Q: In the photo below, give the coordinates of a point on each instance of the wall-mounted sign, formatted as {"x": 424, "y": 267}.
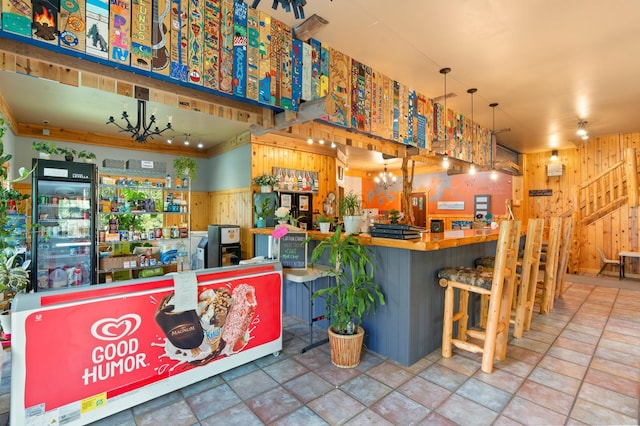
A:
{"x": 554, "y": 169}
{"x": 450, "y": 205}
{"x": 293, "y": 250}
{"x": 540, "y": 192}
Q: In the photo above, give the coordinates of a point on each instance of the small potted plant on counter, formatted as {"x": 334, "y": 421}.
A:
{"x": 352, "y": 294}
{"x": 265, "y": 182}
{"x": 46, "y": 149}
{"x": 325, "y": 222}
{"x": 263, "y": 211}
{"x": 350, "y": 207}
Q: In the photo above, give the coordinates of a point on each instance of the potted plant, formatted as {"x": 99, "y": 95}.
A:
{"x": 46, "y": 149}
{"x": 87, "y": 156}
{"x": 68, "y": 153}
{"x": 14, "y": 278}
{"x": 325, "y": 222}
{"x": 264, "y": 210}
{"x": 352, "y": 294}
{"x": 394, "y": 215}
{"x": 350, "y": 208}
{"x": 265, "y": 182}
{"x": 186, "y": 166}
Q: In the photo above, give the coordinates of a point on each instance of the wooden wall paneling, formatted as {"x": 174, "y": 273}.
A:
{"x": 234, "y": 207}
{"x": 199, "y": 211}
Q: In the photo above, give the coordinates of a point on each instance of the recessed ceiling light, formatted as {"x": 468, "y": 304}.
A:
{"x": 169, "y": 140}
{"x": 200, "y": 145}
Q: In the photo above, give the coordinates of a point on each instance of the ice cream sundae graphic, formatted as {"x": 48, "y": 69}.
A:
{"x": 219, "y": 326}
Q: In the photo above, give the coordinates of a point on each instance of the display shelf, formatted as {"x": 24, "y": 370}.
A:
{"x": 145, "y": 208}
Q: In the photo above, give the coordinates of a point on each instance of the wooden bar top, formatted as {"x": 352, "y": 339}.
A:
{"x": 427, "y": 241}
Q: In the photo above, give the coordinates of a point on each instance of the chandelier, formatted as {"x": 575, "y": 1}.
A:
{"x": 141, "y": 131}
{"x": 385, "y": 178}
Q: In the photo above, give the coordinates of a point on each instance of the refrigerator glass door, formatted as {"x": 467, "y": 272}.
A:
{"x": 63, "y": 234}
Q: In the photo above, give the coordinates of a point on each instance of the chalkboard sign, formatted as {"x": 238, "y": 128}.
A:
{"x": 293, "y": 251}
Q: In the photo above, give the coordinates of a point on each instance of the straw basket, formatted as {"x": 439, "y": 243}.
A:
{"x": 346, "y": 349}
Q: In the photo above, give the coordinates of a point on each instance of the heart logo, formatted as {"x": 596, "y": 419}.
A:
{"x": 116, "y": 328}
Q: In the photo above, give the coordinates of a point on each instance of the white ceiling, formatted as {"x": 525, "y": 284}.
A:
{"x": 547, "y": 63}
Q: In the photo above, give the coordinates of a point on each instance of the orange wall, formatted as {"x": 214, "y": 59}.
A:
{"x": 441, "y": 187}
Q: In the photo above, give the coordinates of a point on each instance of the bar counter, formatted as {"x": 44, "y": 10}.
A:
{"x": 409, "y": 325}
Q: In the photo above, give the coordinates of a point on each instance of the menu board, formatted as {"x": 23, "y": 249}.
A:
{"x": 293, "y": 250}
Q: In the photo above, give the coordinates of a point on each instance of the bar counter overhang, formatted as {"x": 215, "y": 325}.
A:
{"x": 409, "y": 325}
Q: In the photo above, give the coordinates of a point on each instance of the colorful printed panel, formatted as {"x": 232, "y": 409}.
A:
{"x": 240, "y": 49}
{"x": 324, "y": 71}
{"x": 196, "y": 41}
{"x": 45, "y": 21}
{"x": 226, "y": 46}
{"x": 396, "y": 110}
{"x": 316, "y": 49}
{"x": 421, "y": 120}
{"x": 211, "y": 55}
{"x": 277, "y": 45}
{"x": 179, "y": 39}
{"x": 286, "y": 61}
{"x": 360, "y": 97}
{"x": 340, "y": 81}
{"x": 306, "y": 71}
{"x": 161, "y": 37}
{"x": 387, "y": 108}
{"x": 141, "y": 14}
{"x": 411, "y": 118}
{"x": 253, "y": 53}
{"x": 264, "y": 89}
{"x": 120, "y": 31}
{"x": 97, "y": 28}
{"x": 71, "y": 23}
{"x": 296, "y": 75}
{"x": 17, "y": 17}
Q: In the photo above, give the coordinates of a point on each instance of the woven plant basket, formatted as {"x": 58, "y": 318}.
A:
{"x": 346, "y": 349}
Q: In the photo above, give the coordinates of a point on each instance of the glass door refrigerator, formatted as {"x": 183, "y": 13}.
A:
{"x": 63, "y": 242}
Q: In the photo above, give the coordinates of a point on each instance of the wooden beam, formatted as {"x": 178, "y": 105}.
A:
{"x": 308, "y": 111}
{"x": 97, "y": 139}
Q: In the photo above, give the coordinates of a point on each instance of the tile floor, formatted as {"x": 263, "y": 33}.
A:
{"x": 578, "y": 365}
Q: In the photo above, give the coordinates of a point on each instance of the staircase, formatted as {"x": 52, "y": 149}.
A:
{"x": 603, "y": 194}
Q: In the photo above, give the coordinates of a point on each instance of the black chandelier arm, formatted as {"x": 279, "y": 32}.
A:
{"x": 141, "y": 131}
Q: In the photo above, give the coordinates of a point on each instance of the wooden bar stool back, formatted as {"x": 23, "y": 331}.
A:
{"x": 498, "y": 285}
{"x": 545, "y": 287}
{"x": 528, "y": 276}
{"x": 563, "y": 259}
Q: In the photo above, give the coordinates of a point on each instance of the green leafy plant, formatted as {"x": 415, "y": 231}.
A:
{"x": 325, "y": 219}
{"x": 350, "y": 204}
{"x": 266, "y": 208}
{"x": 265, "y": 180}
{"x": 45, "y": 147}
{"x": 394, "y": 215}
{"x": 353, "y": 293}
{"x": 87, "y": 155}
{"x": 68, "y": 153}
{"x": 14, "y": 278}
{"x": 188, "y": 164}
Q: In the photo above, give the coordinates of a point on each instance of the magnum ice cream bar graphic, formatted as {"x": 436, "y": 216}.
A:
{"x": 183, "y": 329}
{"x": 218, "y": 326}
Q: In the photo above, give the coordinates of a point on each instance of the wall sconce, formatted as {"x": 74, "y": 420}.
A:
{"x": 554, "y": 155}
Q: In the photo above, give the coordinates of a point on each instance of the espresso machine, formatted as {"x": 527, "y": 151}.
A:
{"x": 223, "y": 246}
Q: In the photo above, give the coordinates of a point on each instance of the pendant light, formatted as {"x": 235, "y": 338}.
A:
{"x": 494, "y": 173}
{"x": 445, "y": 158}
{"x": 472, "y": 168}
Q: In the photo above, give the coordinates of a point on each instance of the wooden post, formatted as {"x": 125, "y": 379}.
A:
{"x": 632, "y": 177}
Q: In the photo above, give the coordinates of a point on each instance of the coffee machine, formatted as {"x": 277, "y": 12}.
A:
{"x": 223, "y": 246}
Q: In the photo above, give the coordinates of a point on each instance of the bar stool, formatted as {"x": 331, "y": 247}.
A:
{"x": 528, "y": 276}
{"x": 563, "y": 259}
{"x": 498, "y": 285}
{"x": 544, "y": 290}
